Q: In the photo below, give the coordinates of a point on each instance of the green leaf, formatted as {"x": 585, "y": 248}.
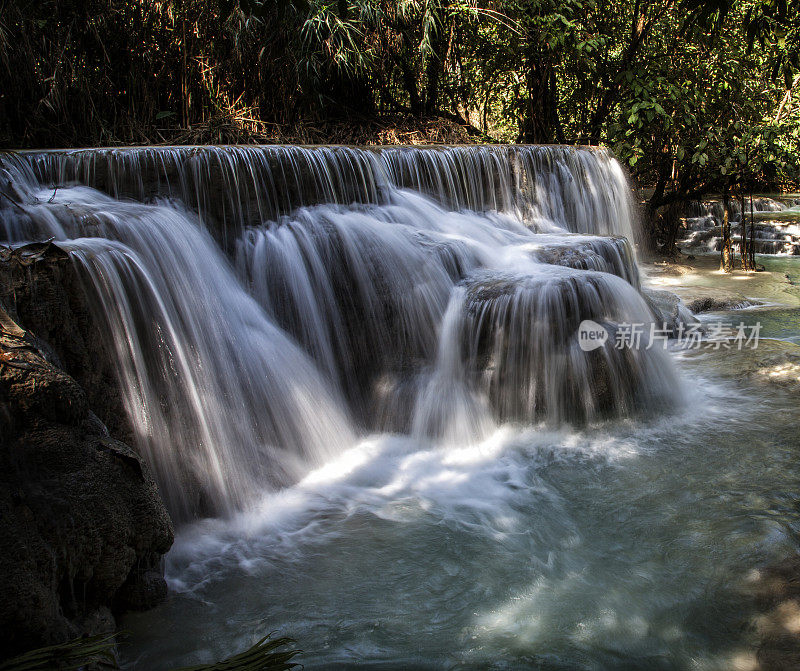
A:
{"x": 72, "y": 656}
{"x": 263, "y": 656}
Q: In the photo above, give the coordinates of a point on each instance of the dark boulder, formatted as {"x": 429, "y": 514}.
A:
{"x": 82, "y": 525}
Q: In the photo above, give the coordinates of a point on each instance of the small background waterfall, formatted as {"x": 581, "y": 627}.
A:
{"x": 773, "y": 224}
{"x": 268, "y": 304}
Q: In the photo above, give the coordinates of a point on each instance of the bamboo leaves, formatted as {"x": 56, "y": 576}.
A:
{"x": 72, "y": 656}
{"x": 263, "y": 656}
{"x": 97, "y": 652}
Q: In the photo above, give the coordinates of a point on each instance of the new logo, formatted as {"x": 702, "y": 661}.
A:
{"x": 591, "y": 335}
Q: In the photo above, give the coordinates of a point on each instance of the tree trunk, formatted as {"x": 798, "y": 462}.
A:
{"x": 726, "y": 253}
{"x": 744, "y": 251}
{"x": 540, "y": 123}
{"x": 185, "y": 92}
{"x": 434, "y": 68}
{"x": 752, "y": 236}
{"x": 410, "y": 85}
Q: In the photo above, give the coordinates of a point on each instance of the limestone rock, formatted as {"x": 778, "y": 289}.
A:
{"x": 47, "y": 297}
{"x": 711, "y": 304}
{"x": 82, "y": 525}
{"x": 774, "y": 363}
{"x": 668, "y": 309}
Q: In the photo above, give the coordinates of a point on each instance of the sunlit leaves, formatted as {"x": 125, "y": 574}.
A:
{"x": 699, "y": 112}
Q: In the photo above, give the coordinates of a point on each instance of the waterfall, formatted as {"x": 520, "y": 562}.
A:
{"x": 583, "y": 191}
{"x": 266, "y": 305}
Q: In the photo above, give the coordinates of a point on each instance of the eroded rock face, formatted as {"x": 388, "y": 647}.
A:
{"x": 669, "y": 310}
{"x": 47, "y": 297}
{"x": 82, "y": 525}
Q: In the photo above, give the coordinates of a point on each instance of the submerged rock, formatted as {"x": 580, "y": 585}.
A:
{"x": 82, "y": 525}
{"x": 776, "y": 589}
{"x": 711, "y": 304}
{"x": 774, "y": 363}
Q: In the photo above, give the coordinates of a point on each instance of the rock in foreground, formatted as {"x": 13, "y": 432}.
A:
{"x": 82, "y": 524}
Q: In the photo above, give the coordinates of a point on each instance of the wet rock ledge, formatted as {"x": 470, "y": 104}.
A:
{"x": 82, "y": 525}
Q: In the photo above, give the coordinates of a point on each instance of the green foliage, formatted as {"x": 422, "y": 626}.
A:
{"x": 98, "y": 652}
{"x": 775, "y": 24}
{"x": 693, "y": 95}
{"x": 263, "y": 656}
{"x": 700, "y": 113}
{"x": 72, "y": 656}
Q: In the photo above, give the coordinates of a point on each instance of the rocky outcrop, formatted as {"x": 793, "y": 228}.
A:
{"x": 41, "y": 289}
{"x": 668, "y": 309}
{"x": 608, "y": 254}
{"x": 82, "y": 525}
{"x": 521, "y": 335}
{"x": 711, "y": 304}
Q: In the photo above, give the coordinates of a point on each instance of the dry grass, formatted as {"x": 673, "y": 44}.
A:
{"x": 238, "y": 126}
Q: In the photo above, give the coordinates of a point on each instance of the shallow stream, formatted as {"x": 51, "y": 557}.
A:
{"x": 625, "y": 545}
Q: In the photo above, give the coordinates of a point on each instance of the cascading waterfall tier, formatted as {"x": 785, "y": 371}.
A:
{"x": 266, "y": 304}
{"x": 775, "y": 230}
{"x": 583, "y": 191}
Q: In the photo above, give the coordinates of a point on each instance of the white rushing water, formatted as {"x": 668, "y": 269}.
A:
{"x": 203, "y": 372}
{"x": 583, "y": 191}
{"x": 221, "y": 398}
{"x": 624, "y": 546}
{"x": 361, "y": 365}
{"x": 772, "y": 225}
